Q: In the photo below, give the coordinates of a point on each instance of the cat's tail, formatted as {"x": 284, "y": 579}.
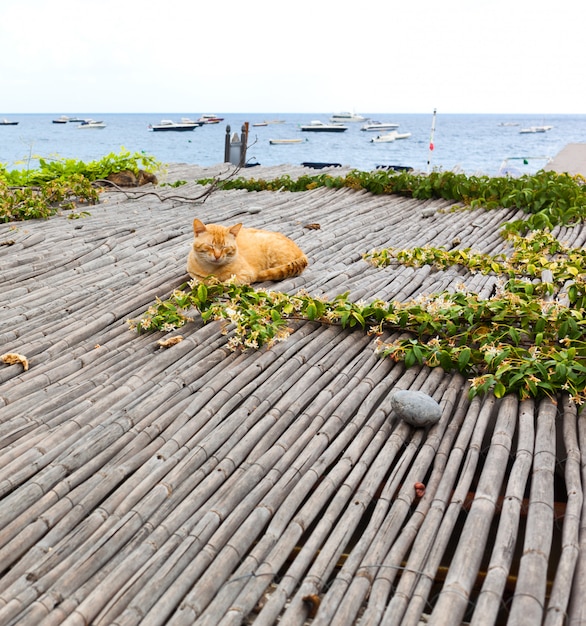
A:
{"x": 293, "y": 268}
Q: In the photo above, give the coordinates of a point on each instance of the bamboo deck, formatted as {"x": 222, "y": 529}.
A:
{"x": 195, "y": 485}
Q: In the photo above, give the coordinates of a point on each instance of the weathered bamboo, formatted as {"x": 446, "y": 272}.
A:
{"x": 529, "y": 598}
{"x": 448, "y": 503}
{"x": 559, "y": 598}
{"x": 317, "y": 441}
{"x": 338, "y": 492}
{"x": 577, "y": 608}
{"x": 464, "y": 566}
{"x": 489, "y": 600}
{"x": 147, "y": 485}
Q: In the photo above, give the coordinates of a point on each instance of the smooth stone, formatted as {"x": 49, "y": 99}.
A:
{"x": 415, "y": 407}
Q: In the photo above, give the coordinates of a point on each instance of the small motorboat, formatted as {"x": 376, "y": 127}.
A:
{"x": 267, "y": 122}
{"x": 61, "y": 120}
{"x": 6, "y": 122}
{"x": 376, "y": 126}
{"x": 91, "y": 124}
{"x": 170, "y": 125}
{"x": 346, "y": 117}
{"x": 188, "y": 120}
{"x": 210, "y": 119}
{"x": 319, "y": 127}
{"x": 284, "y": 142}
{"x": 535, "y": 129}
{"x": 390, "y": 137}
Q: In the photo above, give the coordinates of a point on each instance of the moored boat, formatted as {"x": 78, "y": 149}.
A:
{"x": 535, "y": 129}
{"x": 61, "y": 120}
{"x": 210, "y": 119}
{"x": 276, "y": 142}
{"x": 170, "y": 125}
{"x": 316, "y": 126}
{"x": 91, "y": 124}
{"x": 6, "y": 122}
{"x": 375, "y": 126}
{"x": 390, "y": 137}
{"x": 345, "y": 117}
{"x": 267, "y": 122}
{"x": 188, "y": 120}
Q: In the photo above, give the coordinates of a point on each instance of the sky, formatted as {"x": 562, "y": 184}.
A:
{"x": 300, "y": 56}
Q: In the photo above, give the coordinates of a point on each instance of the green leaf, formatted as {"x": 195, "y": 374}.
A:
{"x": 514, "y": 335}
{"x": 202, "y": 293}
{"x": 499, "y": 390}
{"x": 464, "y": 359}
{"x": 358, "y": 318}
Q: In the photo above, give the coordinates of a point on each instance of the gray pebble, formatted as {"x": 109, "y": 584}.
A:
{"x": 415, "y": 407}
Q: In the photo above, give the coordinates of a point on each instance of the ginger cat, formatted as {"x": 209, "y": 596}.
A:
{"x": 248, "y": 254}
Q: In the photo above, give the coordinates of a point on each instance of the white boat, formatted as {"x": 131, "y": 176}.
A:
{"x": 170, "y": 125}
{"x": 277, "y": 142}
{"x": 267, "y": 122}
{"x": 389, "y": 137}
{"x": 535, "y": 129}
{"x": 91, "y": 124}
{"x": 188, "y": 120}
{"x": 374, "y": 126}
{"x": 319, "y": 127}
{"x": 509, "y": 169}
{"x": 209, "y": 118}
{"x": 345, "y": 117}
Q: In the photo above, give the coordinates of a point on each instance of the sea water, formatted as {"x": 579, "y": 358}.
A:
{"x": 472, "y": 144}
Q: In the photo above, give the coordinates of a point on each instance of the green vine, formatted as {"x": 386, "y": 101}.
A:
{"x": 524, "y": 339}
{"x": 61, "y": 184}
{"x": 549, "y": 198}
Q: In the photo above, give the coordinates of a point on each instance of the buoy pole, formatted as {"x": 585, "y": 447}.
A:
{"x": 431, "y": 146}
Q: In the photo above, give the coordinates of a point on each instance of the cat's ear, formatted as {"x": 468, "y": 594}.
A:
{"x": 198, "y": 227}
{"x": 234, "y": 230}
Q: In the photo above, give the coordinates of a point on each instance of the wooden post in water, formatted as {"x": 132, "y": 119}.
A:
{"x": 243, "y": 144}
{"x": 227, "y": 145}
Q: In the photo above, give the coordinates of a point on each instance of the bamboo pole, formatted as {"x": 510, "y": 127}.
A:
{"x": 464, "y": 565}
{"x": 561, "y": 593}
{"x": 529, "y": 598}
{"x": 489, "y": 601}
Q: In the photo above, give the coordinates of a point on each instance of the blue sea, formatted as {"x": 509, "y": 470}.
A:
{"x": 473, "y": 144}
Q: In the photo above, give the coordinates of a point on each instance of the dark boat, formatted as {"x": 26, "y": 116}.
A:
{"x": 319, "y": 127}
{"x": 169, "y": 125}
